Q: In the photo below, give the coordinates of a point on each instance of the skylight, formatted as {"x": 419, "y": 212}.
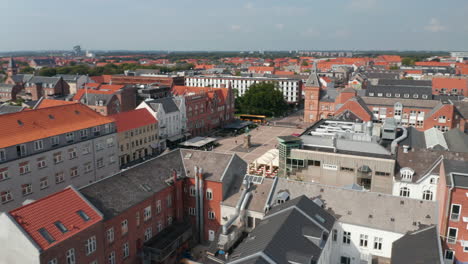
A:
{"x": 46, "y": 235}
{"x": 61, "y": 227}
{"x": 83, "y": 215}
{"x": 320, "y": 218}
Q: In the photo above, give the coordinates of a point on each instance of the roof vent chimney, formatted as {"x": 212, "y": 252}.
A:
{"x": 405, "y": 148}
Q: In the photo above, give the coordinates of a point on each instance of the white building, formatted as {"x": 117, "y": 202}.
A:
{"x": 171, "y": 115}
{"x": 291, "y": 88}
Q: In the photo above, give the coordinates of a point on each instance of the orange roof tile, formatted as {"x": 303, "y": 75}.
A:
{"x": 50, "y": 102}
{"x": 61, "y": 206}
{"x": 133, "y": 119}
{"x": 284, "y": 73}
{"x": 449, "y": 83}
{"x": 432, "y": 63}
{"x": 27, "y": 126}
{"x": 110, "y": 87}
{"x": 413, "y": 71}
{"x": 262, "y": 69}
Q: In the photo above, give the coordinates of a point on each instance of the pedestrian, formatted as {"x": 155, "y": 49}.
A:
{"x": 235, "y": 142}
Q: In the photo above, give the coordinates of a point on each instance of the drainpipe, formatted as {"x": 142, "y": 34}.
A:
{"x": 240, "y": 204}
{"x": 395, "y": 142}
{"x": 201, "y": 201}
{"x": 197, "y": 204}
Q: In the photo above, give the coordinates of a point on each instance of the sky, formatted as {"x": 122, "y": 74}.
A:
{"x": 211, "y": 25}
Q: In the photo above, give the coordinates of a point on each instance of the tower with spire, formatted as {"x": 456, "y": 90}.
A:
{"x": 311, "y": 89}
{"x": 12, "y": 68}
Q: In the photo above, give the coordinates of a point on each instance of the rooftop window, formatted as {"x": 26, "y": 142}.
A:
{"x": 61, "y": 227}
{"x": 83, "y": 215}
{"x": 46, "y": 235}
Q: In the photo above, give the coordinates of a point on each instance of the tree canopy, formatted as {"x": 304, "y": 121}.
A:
{"x": 263, "y": 99}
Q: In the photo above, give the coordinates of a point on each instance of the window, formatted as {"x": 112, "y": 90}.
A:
{"x": 381, "y": 173}
{"x": 380, "y": 94}
{"x": 452, "y": 235}
{"x": 148, "y": 233}
{"x": 110, "y": 235}
{"x": 363, "y": 240}
{"x": 3, "y": 174}
{"x": 44, "y": 183}
{"x": 138, "y": 218}
{"x": 2, "y": 155}
{"x": 46, "y": 235}
{"x": 406, "y": 95}
{"x": 192, "y": 191}
{"x": 345, "y": 260}
{"x": 83, "y": 133}
{"x": 52, "y": 261}
{"x": 41, "y": 163}
{"x": 74, "y": 172}
{"x": 449, "y": 254}
{"x": 71, "y": 256}
{"x": 124, "y": 226}
{"x": 335, "y": 235}
{"x": 346, "y": 237}
{"x": 160, "y": 226}
{"x": 169, "y": 220}
{"x": 397, "y": 95}
{"x": 100, "y": 163}
{"x": 147, "y": 213}
{"x": 209, "y": 194}
{"x": 111, "y": 159}
{"x": 406, "y": 174}
{"x": 388, "y": 95}
{"x": 88, "y": 167}
{"x": 59, "y": 177}
{"x": 424, "y": 96}
{"x": 427, "y": 195}
{"x": 72, "y": 153}
{"x": 58, "y": 157}
{"x": 55, "y": 141}
{"x": 90, "y": 245}
{"x": 96, "y": 130}
{"x": 455, "y": 212}
{"x": 26, "y": 189}
{"x": 211, "y": 215}
{"x": 70, "y": 137}
{"x": 21, "y": 150}
{"x": 347, "y": 169}
{"x": 99, "y": 146}
{"x": 434, "y": 180}
{"x": 415, "y": 95}
{"x": 38, "y": 145}
{"x": 158, "y": 206}
{"x": 169, "y": 201}
{"x": 111, "y": 258}
{"x": 86, "y": 149}
{"x": 110, "y": 142}
{"x": 24, "y": 168}
{"x": 191, "y": 211}
{"x": 378, "y": 243}
{"x": 126, "y": 250}
{"x": 404, "y": 192}
{"x": 83, "y": 215}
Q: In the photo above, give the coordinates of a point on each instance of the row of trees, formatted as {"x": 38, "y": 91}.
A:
{"x": 262, "y": 99}
{"x": 107, "y": 69}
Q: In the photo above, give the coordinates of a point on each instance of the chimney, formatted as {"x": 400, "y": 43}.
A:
{"x": 405, "y": 148}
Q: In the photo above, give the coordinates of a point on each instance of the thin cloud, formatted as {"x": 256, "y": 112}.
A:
{"x": 311, "y": 32}
{"x": 435, "y": 26}
{"x": 279, "y": 26}
{"x": 361, "y": 5}
{"x": 235, "y": 27}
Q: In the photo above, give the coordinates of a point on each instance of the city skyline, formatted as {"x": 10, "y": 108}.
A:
{"x": 239, "y": 26}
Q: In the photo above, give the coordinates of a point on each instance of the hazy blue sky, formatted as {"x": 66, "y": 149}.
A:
{"x": 234, "y": 25}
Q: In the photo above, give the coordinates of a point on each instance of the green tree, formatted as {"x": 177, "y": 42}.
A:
{"x": 305, "y": 63}
{"x": 407, "y": 61}
{"x": 27, "y": 70}
{"x": 263, "y": 99}
{"x": 47, "y": 72}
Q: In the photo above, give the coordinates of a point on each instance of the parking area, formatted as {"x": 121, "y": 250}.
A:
{"x": 263, "y": 138}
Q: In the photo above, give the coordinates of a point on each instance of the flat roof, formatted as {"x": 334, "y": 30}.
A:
{"x": 198, "y": 141}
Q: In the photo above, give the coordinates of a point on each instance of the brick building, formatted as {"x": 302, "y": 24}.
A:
{"x": 8, "y": 92}
{"x": 150, "y": 213}
{"x": 48, "y": 87}
{"x": 450, "y": 86}
{"x": 107, "y": 99}
{"x": 207, "y": 108}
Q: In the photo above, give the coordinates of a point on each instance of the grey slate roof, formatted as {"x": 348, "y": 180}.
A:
{"x": 419, "y": 247}
{"x": 168, "y": 104}
{"x": 405, "y": 102}
{"x": 366, "y": 208}
{"x": 415, "y": 139}
{"x": 286, "y": 234}
{"x": 93, "y": 99}
{"x": 462, "y": 107}
{"x": 44, "y": 80}
{"x": 6, "y": 88}
{"x": 405, "y": 83}
{"x": 69, "y": 77}
{"x": 401, "y": 90}
{"x": 313, "y": 80}
{"x": 21, "y": 78}
{"x": 456, "y": 140}
{"x": 121, "y": 191}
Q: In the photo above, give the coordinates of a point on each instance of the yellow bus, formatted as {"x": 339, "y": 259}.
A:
{"x": 259, "y": 119}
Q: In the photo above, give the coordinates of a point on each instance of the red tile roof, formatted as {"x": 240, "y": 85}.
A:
{"x": 27, "y": 126}
{"x": 261, "y": 69}
{"x": 110, "y": 87}
{"x": 44, "y": 103}
{"x": 413, "y": 71}
{"x": 432, "y": 63}
{"x": 284, "y": 73}
{"x": 103, "y": 78}
{"x": 61, "y": 206}
{"x": 133, "y": 119}
{"x": 449, "y": 83}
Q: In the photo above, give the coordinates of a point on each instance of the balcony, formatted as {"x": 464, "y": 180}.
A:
{"x": 166, "y": 243}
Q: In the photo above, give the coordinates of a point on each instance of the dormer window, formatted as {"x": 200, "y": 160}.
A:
{"x": 61, "y": 227}
{"x": 83, "y": 215}
{"x": 46, "y": 235}
{"x": 406, "y": 174}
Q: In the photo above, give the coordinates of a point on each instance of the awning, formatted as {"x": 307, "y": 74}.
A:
{"x": 198, "y": 142}
{"x": 270, "y": 158}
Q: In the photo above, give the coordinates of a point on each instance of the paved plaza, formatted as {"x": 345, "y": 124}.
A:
{"x": 263, "y": 139}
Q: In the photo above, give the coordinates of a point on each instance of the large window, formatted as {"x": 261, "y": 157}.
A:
{"x": 404, "y": 192}
{"x": 455, "y": 212}
{"x": 363, "y": 240}
{"x": 126, "y": 250}
{"x": 110, "y": 235}
{"x": 452, "y": 235}
{"x": 148, "y": 233}
{"x": 345, "y": 260}
{"x": 71, "y": 256}
{"x": 449, "y": 254}
{"x": 147, "y": 213}
{"x": 378, "y": 243}
{"x": 124, "y": 226}
{"x": 427, "y": 195}
{"x": 111, "y": 258}
{"x": 209, "y": 194}
{"x": 90, "y": 245}
{"x": 346, "y": 237}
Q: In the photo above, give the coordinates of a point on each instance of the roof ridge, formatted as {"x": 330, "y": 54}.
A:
{"x": 38, "y": 200}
